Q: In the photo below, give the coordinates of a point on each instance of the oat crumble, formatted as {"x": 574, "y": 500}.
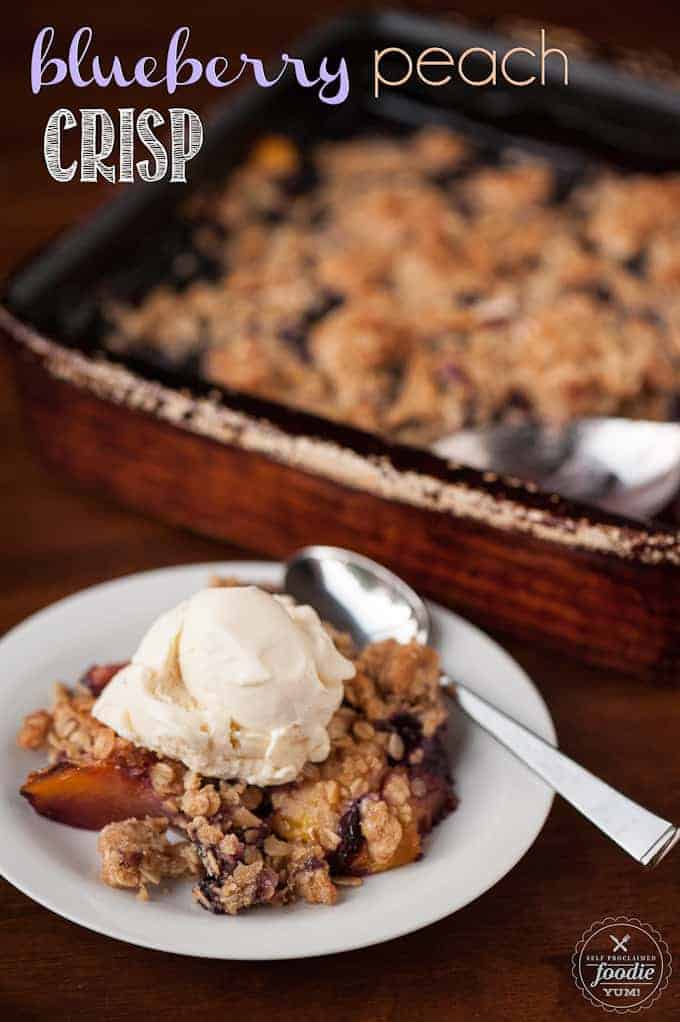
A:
{"x": 409, "y": 290}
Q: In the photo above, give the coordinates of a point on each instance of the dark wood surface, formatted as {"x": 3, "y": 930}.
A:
{"x": 507, "y": 956}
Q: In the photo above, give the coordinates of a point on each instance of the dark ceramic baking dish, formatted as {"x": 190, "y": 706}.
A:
{"x": 270, "y": 479}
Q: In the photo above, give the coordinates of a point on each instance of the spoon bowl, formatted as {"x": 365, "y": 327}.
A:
{"x": 359, "y": 596}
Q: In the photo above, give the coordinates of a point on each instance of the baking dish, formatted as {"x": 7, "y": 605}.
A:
{"x": 270, "y": 478}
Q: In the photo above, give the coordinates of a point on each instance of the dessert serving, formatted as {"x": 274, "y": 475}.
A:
{"x": 248, "y": 746}
{"x": 415, "y": 285}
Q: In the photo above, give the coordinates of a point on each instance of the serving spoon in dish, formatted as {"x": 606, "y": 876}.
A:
{"x": 371, "y": 603}
{"x": 626, "y": 466}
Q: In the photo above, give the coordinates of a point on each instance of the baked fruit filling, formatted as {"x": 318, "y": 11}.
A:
{"x": 412, "y": 286}
{"x": 365, "y": 809}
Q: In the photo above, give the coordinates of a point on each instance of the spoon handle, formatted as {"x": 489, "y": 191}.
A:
{"x": 646, "y": 837}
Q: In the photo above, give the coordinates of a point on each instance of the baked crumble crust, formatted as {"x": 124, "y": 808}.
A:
{"x": 70, "y": 733}
{"x": 34, "y": 730}
{"x": 403, "y": 287}
{"x": 366, "y": 808}
{"x": 135, "y": 853}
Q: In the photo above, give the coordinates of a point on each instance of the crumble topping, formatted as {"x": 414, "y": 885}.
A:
{"x": 393, "y": 678}
{"x": 365, "y": 809}
{"x": 70, "y": 733}
{"x": 135, "y": 853}
{"x": 403, "y": 286}
{"x": 34, "y": 730}
{"x": 382, "y": 830}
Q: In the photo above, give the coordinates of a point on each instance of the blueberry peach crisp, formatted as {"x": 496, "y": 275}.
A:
{"x": 412, "y": 286}
{"x": 366, "y": 808}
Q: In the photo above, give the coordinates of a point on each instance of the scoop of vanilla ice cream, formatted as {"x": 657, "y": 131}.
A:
{"x": 234, "y": 682}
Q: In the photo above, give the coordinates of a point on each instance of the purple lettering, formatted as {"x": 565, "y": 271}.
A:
{"x": 214, "y": 77}
{"x": 142, "y": 76}
{"x": 41, "y": 47}
{"x": 259, "y": 73}
{"x": 175, "y": 61}
{"x": 341, "y": 76}
{"x": 300, "y": 71}
{"x": 180, "y": 70}
{"x": 76, "y": 55}
{"x": 115, "y": 75}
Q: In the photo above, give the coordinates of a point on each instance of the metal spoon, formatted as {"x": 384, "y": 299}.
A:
{"x": 371, "y": 603}
{"x": 620, "y": 465}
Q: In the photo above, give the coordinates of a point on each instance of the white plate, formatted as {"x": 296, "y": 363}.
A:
{"x": 502, "y": 805}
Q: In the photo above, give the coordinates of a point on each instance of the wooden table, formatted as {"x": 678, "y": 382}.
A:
{"x": 506, "y": 956}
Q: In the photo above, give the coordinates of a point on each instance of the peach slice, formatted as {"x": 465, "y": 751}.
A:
{"x": 93, "y": 795}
